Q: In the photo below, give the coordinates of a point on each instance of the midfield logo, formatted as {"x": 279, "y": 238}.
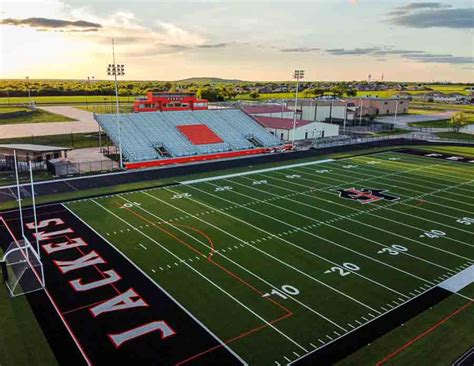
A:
{"x": 366, "y": 195}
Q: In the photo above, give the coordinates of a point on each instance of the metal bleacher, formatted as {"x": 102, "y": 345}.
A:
{"x": 144, "y": 134}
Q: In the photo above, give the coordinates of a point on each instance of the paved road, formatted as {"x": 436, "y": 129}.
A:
{"x": 84, "y": 123}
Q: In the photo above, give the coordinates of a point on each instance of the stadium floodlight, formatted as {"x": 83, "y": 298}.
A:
{"x": 89, "y": 78}
{"x": 298, "y": 75}
{"x": 117, "y": 70}
{"x": 27, "y": 78}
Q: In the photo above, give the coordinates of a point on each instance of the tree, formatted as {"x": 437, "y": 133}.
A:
{"x": 458, "y": 121}
{"x": 351, "y": 92}
{"x": 254, "y": 94}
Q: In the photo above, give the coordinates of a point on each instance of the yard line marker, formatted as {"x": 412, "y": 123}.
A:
{"x": 286, "y": 358}
{"x": 277, "y": 363}
{"x": 254, "y": 172}
{"x": 317, "y": 236}
{"x": 155, "y": 283}
{"x": 321, "y": 341}
{"x": 368, "y": 213}
{"x": 205, "y": 278}
{"x": 297, "y": 355}
{"x": 365, "y": 238}
{"x": 312, "y": 345}
{"x": 328, "y": 336}
{"x": 153, "y": 271}
{"x": 144, "y": 247}
{"x": 242, "y": 242}
{"x": 286, "y": 264}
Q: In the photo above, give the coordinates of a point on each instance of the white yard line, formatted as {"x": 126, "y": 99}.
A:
{"x": 203, "y": 276}
{"x": 284, "y": 240}
{"x": 406, "y": 213}
{"x": 371, "y": 214}
{"x": 230, "y": 260}
{"x": 424, "y": 184}
{"x": 333, "y": 243}
{"x": 223, "y": 344}
{"x": 343, "y": 217}
{"x": 254, "y": 172}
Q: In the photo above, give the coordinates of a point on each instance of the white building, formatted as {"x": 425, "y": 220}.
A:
{"x": 322, "y": 110}
{"x": 283, "y": 128}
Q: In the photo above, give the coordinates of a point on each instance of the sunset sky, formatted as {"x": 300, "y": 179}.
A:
{"x": 248, "y": 40}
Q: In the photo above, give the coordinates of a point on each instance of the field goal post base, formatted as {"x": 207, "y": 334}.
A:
{"x": 22, "y": 269}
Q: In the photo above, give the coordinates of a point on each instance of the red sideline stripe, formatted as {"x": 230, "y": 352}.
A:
{"x": 190, "y": 159}
{"x": 426, "y": 332}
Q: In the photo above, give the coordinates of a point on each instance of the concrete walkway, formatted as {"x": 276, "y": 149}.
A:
{"x": 84, "y": 123}
{"x": 404, "y": 119}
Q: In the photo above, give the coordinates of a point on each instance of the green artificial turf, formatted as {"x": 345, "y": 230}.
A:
{"x": 288, "y": 230}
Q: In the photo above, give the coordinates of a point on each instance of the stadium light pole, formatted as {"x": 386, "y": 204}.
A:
{"x": 298, "y": 74}
{"x": 396, "y": 111}
{"x": 89, "y": 78}
{"x": 28, "y": 87}
{"x": 117, "y": 70}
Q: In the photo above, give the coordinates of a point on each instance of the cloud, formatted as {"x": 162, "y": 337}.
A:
{"x": 213, "y": 45}
{"x": 413, "y": 55}
{"x": 432, "y": 15}
{"x": 425, "y": 5}
{"x": 353, "y": 52}
{"x": 443, "y": 59}
{"x": 299, "y": 49}
{"x": 45, "y": 24}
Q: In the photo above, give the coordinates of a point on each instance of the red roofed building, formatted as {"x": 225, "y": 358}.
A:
{"x": 162, "y": 102}
{"x": 283, "y": 128}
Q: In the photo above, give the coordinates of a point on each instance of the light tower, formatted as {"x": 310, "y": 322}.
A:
{"x": 298, "y": 75}
{"x": 117, "y": 70}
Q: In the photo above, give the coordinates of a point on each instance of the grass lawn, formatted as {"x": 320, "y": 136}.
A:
{"x": 12, "y": 109}
{"x": 73, "y": 99}
{"x": 442, "y": 107}
{"x": 422, "y": 111}
{"x": 21, "y": 340}
{"x": 37, "y": 116}
{"x": 432, "y": 124}
{"x": 456, "y": 136}
{"x": 106, "y": 108}
{"x": 452, "y": 338}
{"x": 77, "y": 140}
{"x": 7, "y": 178}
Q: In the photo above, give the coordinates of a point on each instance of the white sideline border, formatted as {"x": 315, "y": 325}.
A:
{"x": 222, "y": 343}
{"x": 193, "y": 181}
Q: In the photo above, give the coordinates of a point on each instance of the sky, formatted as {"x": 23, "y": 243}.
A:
{"x": 411, "y": 40}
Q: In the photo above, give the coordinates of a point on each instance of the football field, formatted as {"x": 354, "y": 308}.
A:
{"x": 285, "y": 261}
{"x": 301, "y": 263}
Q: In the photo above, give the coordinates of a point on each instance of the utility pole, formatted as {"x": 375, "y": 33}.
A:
{"x": 117, "y": 70}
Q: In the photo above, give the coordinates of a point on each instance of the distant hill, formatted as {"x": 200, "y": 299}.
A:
{"x": 209, "y": 80}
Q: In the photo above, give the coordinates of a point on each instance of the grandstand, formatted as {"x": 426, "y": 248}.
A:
{"x": 156, "y": 138}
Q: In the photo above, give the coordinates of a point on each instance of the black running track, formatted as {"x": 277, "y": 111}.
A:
{"x": 108, "y": 180}
{"x": 183, "y": 338}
